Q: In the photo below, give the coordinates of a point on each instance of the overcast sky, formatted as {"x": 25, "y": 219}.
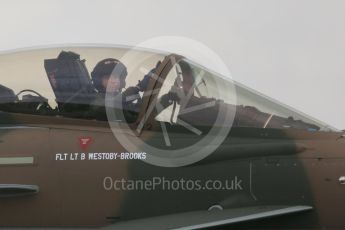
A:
{"x": 291, "y": 50}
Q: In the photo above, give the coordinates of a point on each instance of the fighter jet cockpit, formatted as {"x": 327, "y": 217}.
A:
{"x": 194, "y": 96}
{"x": 61, "y": 83}
{"x": 65, "y": 83}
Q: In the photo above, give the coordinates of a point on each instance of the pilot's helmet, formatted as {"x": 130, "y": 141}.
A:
{"x": 106, "y": 68}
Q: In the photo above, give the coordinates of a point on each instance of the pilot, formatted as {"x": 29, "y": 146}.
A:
{"x": 109, "y": 78}
{"x": 101, "y": 76}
